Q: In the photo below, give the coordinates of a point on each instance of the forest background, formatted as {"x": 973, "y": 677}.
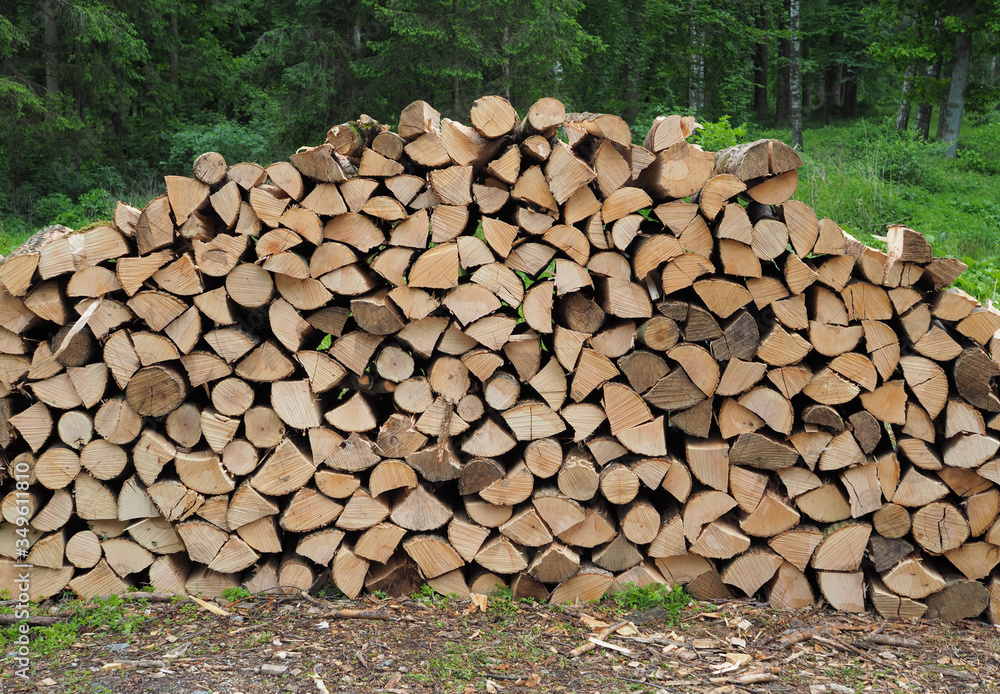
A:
{"x": 896, "y": 103}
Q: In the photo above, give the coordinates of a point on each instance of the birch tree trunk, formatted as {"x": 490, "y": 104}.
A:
{"x": 760, "y": 68}
{"x": 795, "y": 76}
{"x": 903, "y": 112}
{"x": 696, "y": 75}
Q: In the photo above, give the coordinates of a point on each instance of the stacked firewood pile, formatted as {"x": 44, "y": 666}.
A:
{"x": 525, "y": 353}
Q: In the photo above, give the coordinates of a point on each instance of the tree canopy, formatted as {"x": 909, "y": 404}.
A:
{"x": 107, "y": 94}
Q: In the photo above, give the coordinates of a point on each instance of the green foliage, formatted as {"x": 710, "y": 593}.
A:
{"x": 237, "y": 141}
{"x": 236, "y": 593}
{"x": 673, "y": 599}
{"x": 59, "y": 208}
{"x": 111, "y": 615}
{"x": 429, "y": 596}
{"x": 720, "y": 134}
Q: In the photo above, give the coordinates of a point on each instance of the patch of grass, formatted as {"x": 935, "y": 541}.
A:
{"x": 112, "y": 615}
{"x": 502, "y": 607}
{"x": 673, "y": 599}
{"x": 260, "y": 639}
{"x": 456, "y": 663}
{"x": 429, "y": 596}
{"x": 237, "y": 593}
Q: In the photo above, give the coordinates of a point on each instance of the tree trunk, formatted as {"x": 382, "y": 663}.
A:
{"x": 950, "y": 117}
{"x": 849, "y": 107}
{"x": 175, "y": 52}
{"x": 831, "y": 91}
{"x": 760, "y": 67}
{"x": 696, "y": 73}
{"x": 903, "y": 112}
{"x": 925, "y": 109}
{"x": 51, "y": 55}
{"x": 922, "y": 124}
{"x": 795, "y": 77}
{"x": 631, "y": 78}
{"x": 505, "y": 67}
{"x": 942, "y": 102}
{"x": 782, "y": 111}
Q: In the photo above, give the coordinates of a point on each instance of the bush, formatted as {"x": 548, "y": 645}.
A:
{"x": 233, "y": 141}
{"x": 59, "y": 208}
{"x": 897, "y": 156}
{"x": 715, "y": 136}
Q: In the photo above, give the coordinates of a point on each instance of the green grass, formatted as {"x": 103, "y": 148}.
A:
{"x": 673, "y": 599}
{"x": 112, "y": 615}
{"x": 864, "y": 176}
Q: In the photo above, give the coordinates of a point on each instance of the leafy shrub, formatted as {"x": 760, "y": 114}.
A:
{"x": 719, "y": 135}
{"x": 59, "y": 208}
{"x": 97, "y": 203}
{"x": 982, "y": 279}
{"x": 235, "y": 594}
{"x": 236, "y": 142}
{"x": 673, "y": 599}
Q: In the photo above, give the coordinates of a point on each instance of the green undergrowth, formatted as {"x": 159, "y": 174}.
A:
{"x": 864, "y": 175}
{"x": 672, "y": 599}
{"x": 106, "y": 616}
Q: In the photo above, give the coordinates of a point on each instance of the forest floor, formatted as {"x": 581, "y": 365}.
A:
{"x": 434, "y": 644}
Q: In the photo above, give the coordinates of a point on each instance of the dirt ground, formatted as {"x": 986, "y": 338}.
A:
{"x": 291, "y": 644}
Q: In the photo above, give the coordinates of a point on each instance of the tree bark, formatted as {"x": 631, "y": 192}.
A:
{"x": 175, "y": 52}
{"x": 831, "y": 91}
{"x": 924, "y": 110}
{"x": 760, "y": 66}
{"x": 849, "y": 105}
{"x": 630, "y": 90}
{"x": 903, "y": 112}
{"x": 922, "y": 124}
{"x": 950, "y": 118}
{"x": 795, "y": 76}
{"x": 51, "y": 53}
{"x": 782, "y": 113}
{"x": 696, "y": 73}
